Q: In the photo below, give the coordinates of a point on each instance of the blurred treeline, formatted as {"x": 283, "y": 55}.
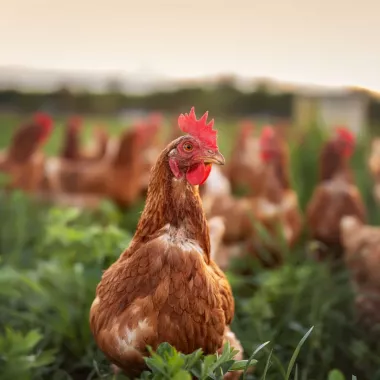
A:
{"x": 223, "y": 98}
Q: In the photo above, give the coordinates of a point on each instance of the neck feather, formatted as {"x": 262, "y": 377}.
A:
{"x": 173, "y": 202}
{"x": 332, "y": 163}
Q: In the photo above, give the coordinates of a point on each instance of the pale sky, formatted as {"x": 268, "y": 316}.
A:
{"x": 328, "y": 42}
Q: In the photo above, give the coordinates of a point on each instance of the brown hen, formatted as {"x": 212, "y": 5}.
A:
{"x": 117, "y": 177}
{"x": 362, "y": 256}
{"x": 336, "y": 195}
{"x": 165, "y": 287}
{"x": 245, "y": 170}
{"x": 23, "y": 161}
{"x": 71, "y": 139}
{"x": 274, "y": 207}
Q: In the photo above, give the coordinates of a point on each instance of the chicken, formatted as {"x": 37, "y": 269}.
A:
{"x": 362, "y": 251}
{"x": 276, "y": 205}
{"x": 362, "y": 256}
{"x": 117, "y": 178}
{"x": 23, "y": 161}
{"x": 245, "y": 170}
{"x": 71, "y": 142}
{"x": 165, "y": 287}
{"x": 278, "y": 201}
{"x": 336, "y": 195}
{"x": 123, "y": 183}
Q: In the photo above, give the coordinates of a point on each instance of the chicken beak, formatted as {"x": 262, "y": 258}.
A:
{"x": 217, "y": 158}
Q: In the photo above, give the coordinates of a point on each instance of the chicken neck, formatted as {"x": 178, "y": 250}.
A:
{"x": 71, "y": 146}
{"x": 175, "y": 203}
{"x": 25, "y": 143}
{"x": 279, "y": 165}
{"x": 333, "y": 163}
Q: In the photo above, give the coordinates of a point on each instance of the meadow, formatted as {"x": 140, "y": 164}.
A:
{"x": 51, "y": 260}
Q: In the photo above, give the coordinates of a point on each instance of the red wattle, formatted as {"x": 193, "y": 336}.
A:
{"x": 198, "y": 174}
{"x": 207, "y": 173}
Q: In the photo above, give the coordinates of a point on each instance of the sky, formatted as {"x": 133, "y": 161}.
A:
{"x": 326, "y": 42}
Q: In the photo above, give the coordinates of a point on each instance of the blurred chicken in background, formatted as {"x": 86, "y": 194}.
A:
{"x": 336, "y": 195}
{"x": 71, "y": 139}
{"x": 245, "y": 169}
{"x": 362, "y": 256}
{"x": 117, "y": 176}
{"x": 274, "y": 207}
{"x": 24, "y": 161}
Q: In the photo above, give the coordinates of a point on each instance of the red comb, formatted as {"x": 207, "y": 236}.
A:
{"x": 45, "y": 124}
{"x": 268, "y": 132}
{"x": 43, "y": 119}
{"x": 200, "y": 129}
{"x": 344, "y": 133}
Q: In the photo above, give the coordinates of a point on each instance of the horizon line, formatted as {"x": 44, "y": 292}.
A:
{"x": 111, "y": 73}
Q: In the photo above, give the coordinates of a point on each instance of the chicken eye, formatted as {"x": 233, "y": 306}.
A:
{"x": 187, "y": 147}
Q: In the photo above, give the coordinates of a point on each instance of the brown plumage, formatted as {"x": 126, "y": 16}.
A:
{"x": 71, "y": 140}
{"x": 362, "y": 256}
{"x": 362, "y": 251}
{"x": 24, "y": 161}
{"x": 277, "y": 189}
{"x": 165, "y": 287}
{"x": 117, "y": 178}
{"x": 125, "y": 172}
{"x": 274, "y": 206}
{"x": 336, "y": 195}
{"x": 245, "y": 170}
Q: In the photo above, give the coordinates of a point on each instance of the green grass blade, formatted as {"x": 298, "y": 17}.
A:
{"x": 267, "y": 365}
{"x": 259, "y": 348}
{"x": 296, "y": 352}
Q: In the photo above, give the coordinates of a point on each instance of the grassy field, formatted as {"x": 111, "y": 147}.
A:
{"x": 51, "y": 260}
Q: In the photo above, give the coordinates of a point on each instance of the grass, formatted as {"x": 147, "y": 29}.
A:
{"x": 51, "y": 260}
